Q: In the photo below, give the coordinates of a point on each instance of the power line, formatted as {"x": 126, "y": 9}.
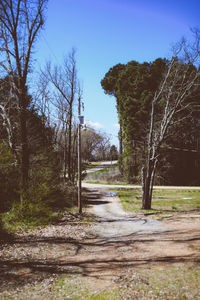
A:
{"x": 48, "y": 46}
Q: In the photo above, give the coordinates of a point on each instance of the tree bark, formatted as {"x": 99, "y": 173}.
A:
{"x": 65, "y": 155}
{"x": 148, "y": 174}
{"x": 70, "y": 143}
{"x": 23, "y": 140}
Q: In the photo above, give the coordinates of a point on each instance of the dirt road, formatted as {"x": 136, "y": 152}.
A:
{"x": 115, "y": 222}
{"x": 101, "y": 166}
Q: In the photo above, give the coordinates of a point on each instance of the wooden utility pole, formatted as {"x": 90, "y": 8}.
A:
{"x": 79, "y": 158}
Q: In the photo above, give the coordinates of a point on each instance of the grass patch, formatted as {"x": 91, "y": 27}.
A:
{"x": 163, "y": 200}
{"x": 175, "y": 282}
{"x": 74, "y": 287}
{"x": 28, "y": 217}
{"x": 170, "y": 282}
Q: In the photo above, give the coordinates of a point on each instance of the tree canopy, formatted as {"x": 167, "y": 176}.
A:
{"x": 134, "y": 85}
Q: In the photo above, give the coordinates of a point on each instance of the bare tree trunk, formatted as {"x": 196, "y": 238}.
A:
{"x": 147, "y": 183}
{"x": 23, "y": 139}
{"x": 65, "y": 155}
{"x": 70, "y": 144}
{"x": 24, "y": 149}
{"x": 149, "y": 168}
{"x": 8, "y": 125}
{"x": 146, "y": 188}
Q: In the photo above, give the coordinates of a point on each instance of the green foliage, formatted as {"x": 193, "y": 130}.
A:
{"x": 134, "y": 85}
{"x": 35, "y": 207}
{"x": 109, "y": 82}
{"x": 9, "y": 178}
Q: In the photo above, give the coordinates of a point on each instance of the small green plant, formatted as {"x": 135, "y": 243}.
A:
{"x": 174, "y": 207}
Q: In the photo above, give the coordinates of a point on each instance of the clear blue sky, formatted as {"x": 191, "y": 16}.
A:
{"x": 107, "y": 32}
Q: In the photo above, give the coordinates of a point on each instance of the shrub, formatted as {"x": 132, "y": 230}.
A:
{"x": 9, "y": 178}
{"x": 44, "y": 197}
{"x": 27, "y": 215}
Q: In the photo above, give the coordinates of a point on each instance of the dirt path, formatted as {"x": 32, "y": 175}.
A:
{"x": 97, "y": 255}
{"x": 115, "y": 222}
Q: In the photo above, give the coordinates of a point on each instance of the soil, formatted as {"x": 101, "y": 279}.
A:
{"x": 98, "y": 249}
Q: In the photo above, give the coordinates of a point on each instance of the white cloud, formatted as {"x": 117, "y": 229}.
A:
{"x": 94, "y": 124}
{"x": 116, "y": 125}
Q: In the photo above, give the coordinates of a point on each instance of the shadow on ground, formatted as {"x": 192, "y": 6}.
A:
{"x": 93, "y": 197}
{"x": 18, "y": 272}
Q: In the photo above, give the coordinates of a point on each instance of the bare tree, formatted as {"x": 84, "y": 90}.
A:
{"x": 43, "y": 98}
{"x": 172, "y": 103}
{"x": 66, "y": 92}
{"x": 6, "y": 105}
{"x": 91, "y": 141}
{"x": 20, "y": 22}
{"x": 102, "y": 149}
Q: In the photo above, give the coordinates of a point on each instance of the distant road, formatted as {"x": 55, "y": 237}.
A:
{"x": 102, "y": 165}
